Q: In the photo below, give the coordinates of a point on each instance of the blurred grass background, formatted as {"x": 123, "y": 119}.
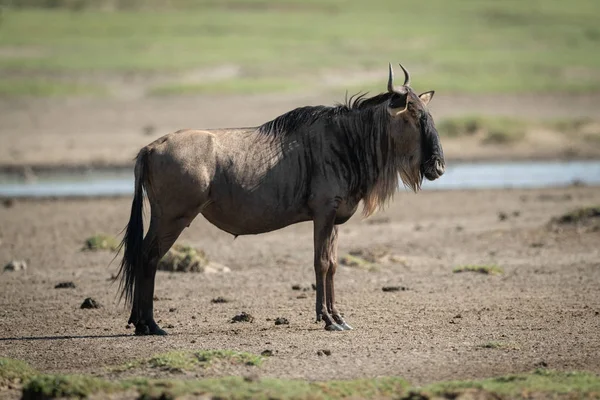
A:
{"x": 74, "y": 47}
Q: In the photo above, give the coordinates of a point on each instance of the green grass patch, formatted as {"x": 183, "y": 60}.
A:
{"x": 53, "y": 386}
{"x": 355, "y": 261}
{"x": 539, "y": 384}
{"x": 469, "y": 46}
{"x": 584, "y": 219}
{"x": 37, "y": 87}
{"x": 579, "y": 215}
{"x": 14, "y": 370}
{"x": 178, "y": 361}
{"x": 481, "y": 269}
{"x": 235, "y": 357}
{"x": 570, "y": 125}
{"x": 101, "y": 242}
{"x": 229, "y": 86}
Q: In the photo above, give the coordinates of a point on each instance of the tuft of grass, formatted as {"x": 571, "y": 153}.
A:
{"x": 173, "y": 361}
{"x": 481, "y": 269}
{"x": 46, "y": 88}
{"x": 584, "y": 219}
{"x": 206, "y": 357}
{"x": 101, "y": 242}
{"x": 14, "y": 370}
{"x": 178, "y": 361}
{"x": 244, "y": 85}
{"x": 53, "y": 386}
{"x": 355, "y": 261}
{"x": 579, "y": 215}
{"x": 181, "y": 258}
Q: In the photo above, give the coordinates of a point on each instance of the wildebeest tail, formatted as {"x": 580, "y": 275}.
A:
{"x": 133, "y": 258}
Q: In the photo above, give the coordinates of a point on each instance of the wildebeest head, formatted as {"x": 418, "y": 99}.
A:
{"x": 413, "y": 129}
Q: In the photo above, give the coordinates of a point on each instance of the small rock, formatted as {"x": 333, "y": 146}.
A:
{"x": 516, "y": 213}
{"x": 65, "y": 285}
{"x": 243, "y": 317}
{"x": 458, "y": 316}
{"x": 16, "y": 265}
{"x": 267, "y": 353}
{"x": 170, "y": 326}
{"x": 536, "y": 245}
{"x": 214, "y": 268}
{"x": 324, "y": 352}
{"x": 314, "y": 287}
{"x": 219, "y": 300}
{"x": 541, "y": 364}
{"x": 281, "y": 321}
{"x": 8, "y": 203}
{"x": 302, "y": 296}
{"x": 394, "y": 288}
{"x": 172, "y": 309}
{"x": 502, "y": 216}
{"x": 296, "y": 287}
{"x": 90, "y": 303}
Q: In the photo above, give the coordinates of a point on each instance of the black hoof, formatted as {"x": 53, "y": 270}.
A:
{"x": 333, "y": 327}
{"x": 152, "y": 328}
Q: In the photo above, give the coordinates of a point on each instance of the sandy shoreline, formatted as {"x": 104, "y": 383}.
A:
{"x": 83, "y": 133}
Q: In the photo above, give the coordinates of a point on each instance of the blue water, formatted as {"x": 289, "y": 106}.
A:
{"x": 458, "y": 176}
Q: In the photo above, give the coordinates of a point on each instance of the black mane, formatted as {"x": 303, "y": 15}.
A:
{"x": 301, "y": 117}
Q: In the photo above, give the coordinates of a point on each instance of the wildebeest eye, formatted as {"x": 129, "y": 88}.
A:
{"x": 398, "y": 101}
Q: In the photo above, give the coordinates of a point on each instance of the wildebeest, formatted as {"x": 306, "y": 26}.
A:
{"x": 309, "y": 164}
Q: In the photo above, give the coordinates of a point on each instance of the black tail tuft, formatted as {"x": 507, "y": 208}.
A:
{"x": 133, "y": 259}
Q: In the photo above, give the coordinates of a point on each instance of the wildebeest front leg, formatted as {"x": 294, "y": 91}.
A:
{"x": 323, "y": 231}
{"x": 330, "y": 287}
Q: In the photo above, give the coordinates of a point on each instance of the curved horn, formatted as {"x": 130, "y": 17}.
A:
{"x": 406, "y": 76}
{"x": 391, "y": 79}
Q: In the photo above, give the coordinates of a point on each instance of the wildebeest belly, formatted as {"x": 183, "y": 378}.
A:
{"x": 239, "y": 220}
{"x": 242, "y": 208}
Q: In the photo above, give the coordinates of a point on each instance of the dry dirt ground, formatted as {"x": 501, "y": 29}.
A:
{"x": 84, "y": 131}
{"x": 545, "y": 307}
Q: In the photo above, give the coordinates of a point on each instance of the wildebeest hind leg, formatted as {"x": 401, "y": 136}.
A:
{"x": 159, "y": 239}
{"x": 330, "y": 287}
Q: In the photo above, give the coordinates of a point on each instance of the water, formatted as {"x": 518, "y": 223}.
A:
{"x": 119, "y": 182}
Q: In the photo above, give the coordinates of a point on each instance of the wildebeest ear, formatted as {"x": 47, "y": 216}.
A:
{"x": 427, "y": 96}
